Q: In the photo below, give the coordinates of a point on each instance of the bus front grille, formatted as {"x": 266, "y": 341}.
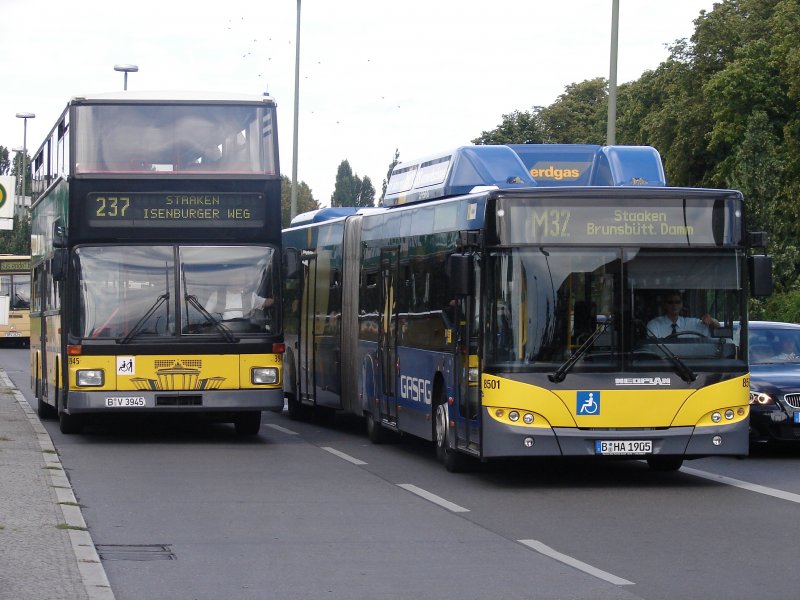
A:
{"x": 194, "y": 400}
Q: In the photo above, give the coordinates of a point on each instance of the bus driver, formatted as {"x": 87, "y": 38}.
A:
{"x": 672, "y": 322}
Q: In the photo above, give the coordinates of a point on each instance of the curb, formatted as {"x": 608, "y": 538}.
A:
{"x": 89, "y": 565}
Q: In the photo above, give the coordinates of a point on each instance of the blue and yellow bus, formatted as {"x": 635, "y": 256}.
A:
{"x": 502, "y": 315}
{"x": 15, "y": 299}
{"x": 156, "y": 259}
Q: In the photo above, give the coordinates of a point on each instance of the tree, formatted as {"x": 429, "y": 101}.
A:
{"x": 579, "y": 115}
{"x": 305, "y": 200}
{"x": 518, "y": 127}
{"x": 366, "y": 194}
{"x": 392, "y": 165}
{"x": 18, "y": 240}
{"x": 350, "y": 189}
{"x": 5, "y": 162}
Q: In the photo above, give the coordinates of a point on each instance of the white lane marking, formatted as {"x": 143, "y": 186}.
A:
{"x": 574, "y": 562}
{"x": 745, "y": 485}
{"x": 281, "y": 429}
{"x": 342, "y": 455}
{"x": 432, "y": 498}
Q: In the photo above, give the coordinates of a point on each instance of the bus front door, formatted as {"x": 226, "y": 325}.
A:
{"x": 467, "y": 425}
{"x": 306, "y": 358}
{"x": 387, "y": 349}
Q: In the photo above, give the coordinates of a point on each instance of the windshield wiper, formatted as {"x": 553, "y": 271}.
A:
{"x": 159, "y": 301}
{"x": 192, "y": 299}
{"x": 560, "y": 373}
{"x": 136, "y": 328}
{"x": 226, "y": 333}
{"x": 681, "y": 368}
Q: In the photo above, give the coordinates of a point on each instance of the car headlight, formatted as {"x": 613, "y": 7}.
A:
{"x": 760, "y": 398}
{"x": 90, "y": 377}
{"x": 264, "y": 375}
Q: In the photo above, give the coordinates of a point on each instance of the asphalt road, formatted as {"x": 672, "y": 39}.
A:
{"x": 311, "y": 510}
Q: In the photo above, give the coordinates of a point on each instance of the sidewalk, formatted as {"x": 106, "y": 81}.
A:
{"x": 46, "y": 552}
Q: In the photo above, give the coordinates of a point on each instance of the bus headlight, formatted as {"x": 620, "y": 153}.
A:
{"x": 90, "y": 377}
{"x": 264, "y": 375}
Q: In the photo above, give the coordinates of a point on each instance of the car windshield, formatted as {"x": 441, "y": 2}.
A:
{"x": 776, "y": 345}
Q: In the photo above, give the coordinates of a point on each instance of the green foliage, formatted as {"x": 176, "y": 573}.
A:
{"x": 305, "y": 200}
{"x": 350, "y": 189}
{"x": 779, "y": 307}
{"x": 18, "y": 240}
{"x": 519, "y": 127}
{"x": 5, "y": 161}
{"x": 723, "y": 112}
{"x": 392, "y": 165}
{"x": 576, "y": 117}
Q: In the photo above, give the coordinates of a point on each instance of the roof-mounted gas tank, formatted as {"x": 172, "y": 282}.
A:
{"x": 456, "y": 172}
{"x": 593, "y": 165}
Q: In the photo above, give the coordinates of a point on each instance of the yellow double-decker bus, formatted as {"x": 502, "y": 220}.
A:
{"x": 15, "y": 299}
{"x": 155, "y": 231}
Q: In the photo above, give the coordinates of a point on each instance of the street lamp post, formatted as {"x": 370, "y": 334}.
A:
{"x": 611, "y": 131}
{"x": 293, "y": 203}
{"x": 126, "y": 69}
{"x": 25, "y": 116}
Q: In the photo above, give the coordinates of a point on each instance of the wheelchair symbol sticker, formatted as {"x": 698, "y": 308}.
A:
{"x": 588, "y": 403}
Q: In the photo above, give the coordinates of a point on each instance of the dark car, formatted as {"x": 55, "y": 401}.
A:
{"x": 774, "y": 381}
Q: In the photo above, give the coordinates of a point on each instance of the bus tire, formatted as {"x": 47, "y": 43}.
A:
{"x": 44, "y": 410}
{"x": 665, "y": 464}
{"x": 375, "y": 431}
{"x": 452, "y": 460}
{"x": 297, "y": 412}
{"x": 69, "y": 424}
{"x": 248, "y": 423}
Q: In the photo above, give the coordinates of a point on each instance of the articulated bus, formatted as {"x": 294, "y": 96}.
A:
{"x": 15, "y": 299}
{"x": 156, "y": 259}
{"x": 502, "y": 316}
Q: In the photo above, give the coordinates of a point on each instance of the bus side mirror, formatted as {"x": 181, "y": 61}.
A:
{"x": 59, "y": 235}
{"x": 291, "y": 263}
{"x": 760, "y": 270}
{"x": 58, "y": 264}
{"x": 461, "y": 270}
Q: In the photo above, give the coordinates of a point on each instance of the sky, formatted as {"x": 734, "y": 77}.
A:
{"x": 419, "y": 76}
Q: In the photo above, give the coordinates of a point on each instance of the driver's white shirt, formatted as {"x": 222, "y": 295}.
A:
{"x": 661, "y": 327}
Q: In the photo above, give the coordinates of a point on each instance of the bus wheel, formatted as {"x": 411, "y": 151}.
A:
{"x": 665, "y": 463}
{"x": 453, "y": 461}
{"x": 297, "y": 412}
{"x": 69, "y": 424}
{"x": 248, "y": 423}
{"x": 44, "y": 410}
{"x": 375, "y": 431}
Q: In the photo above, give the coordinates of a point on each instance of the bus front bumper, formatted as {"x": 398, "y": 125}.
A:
{"x": 80, "y": 402}
{"x": 501, "y": 440}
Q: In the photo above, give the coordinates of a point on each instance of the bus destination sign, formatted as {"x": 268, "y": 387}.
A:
{"x": 176, "y": 209}
{"x": 694, "y": 223}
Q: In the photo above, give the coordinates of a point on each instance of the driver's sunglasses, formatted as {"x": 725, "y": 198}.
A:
{"x": 674, "y": 301}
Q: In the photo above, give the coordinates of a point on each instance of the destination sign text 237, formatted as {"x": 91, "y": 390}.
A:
{"x": 171, "y": 209}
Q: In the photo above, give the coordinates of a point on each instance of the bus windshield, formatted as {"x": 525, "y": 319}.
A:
{"x": 157, "y": 139}
{"x": 128, "y": 292}
{"x": 18, "y": 289}
{"x": 546, "y": 302}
